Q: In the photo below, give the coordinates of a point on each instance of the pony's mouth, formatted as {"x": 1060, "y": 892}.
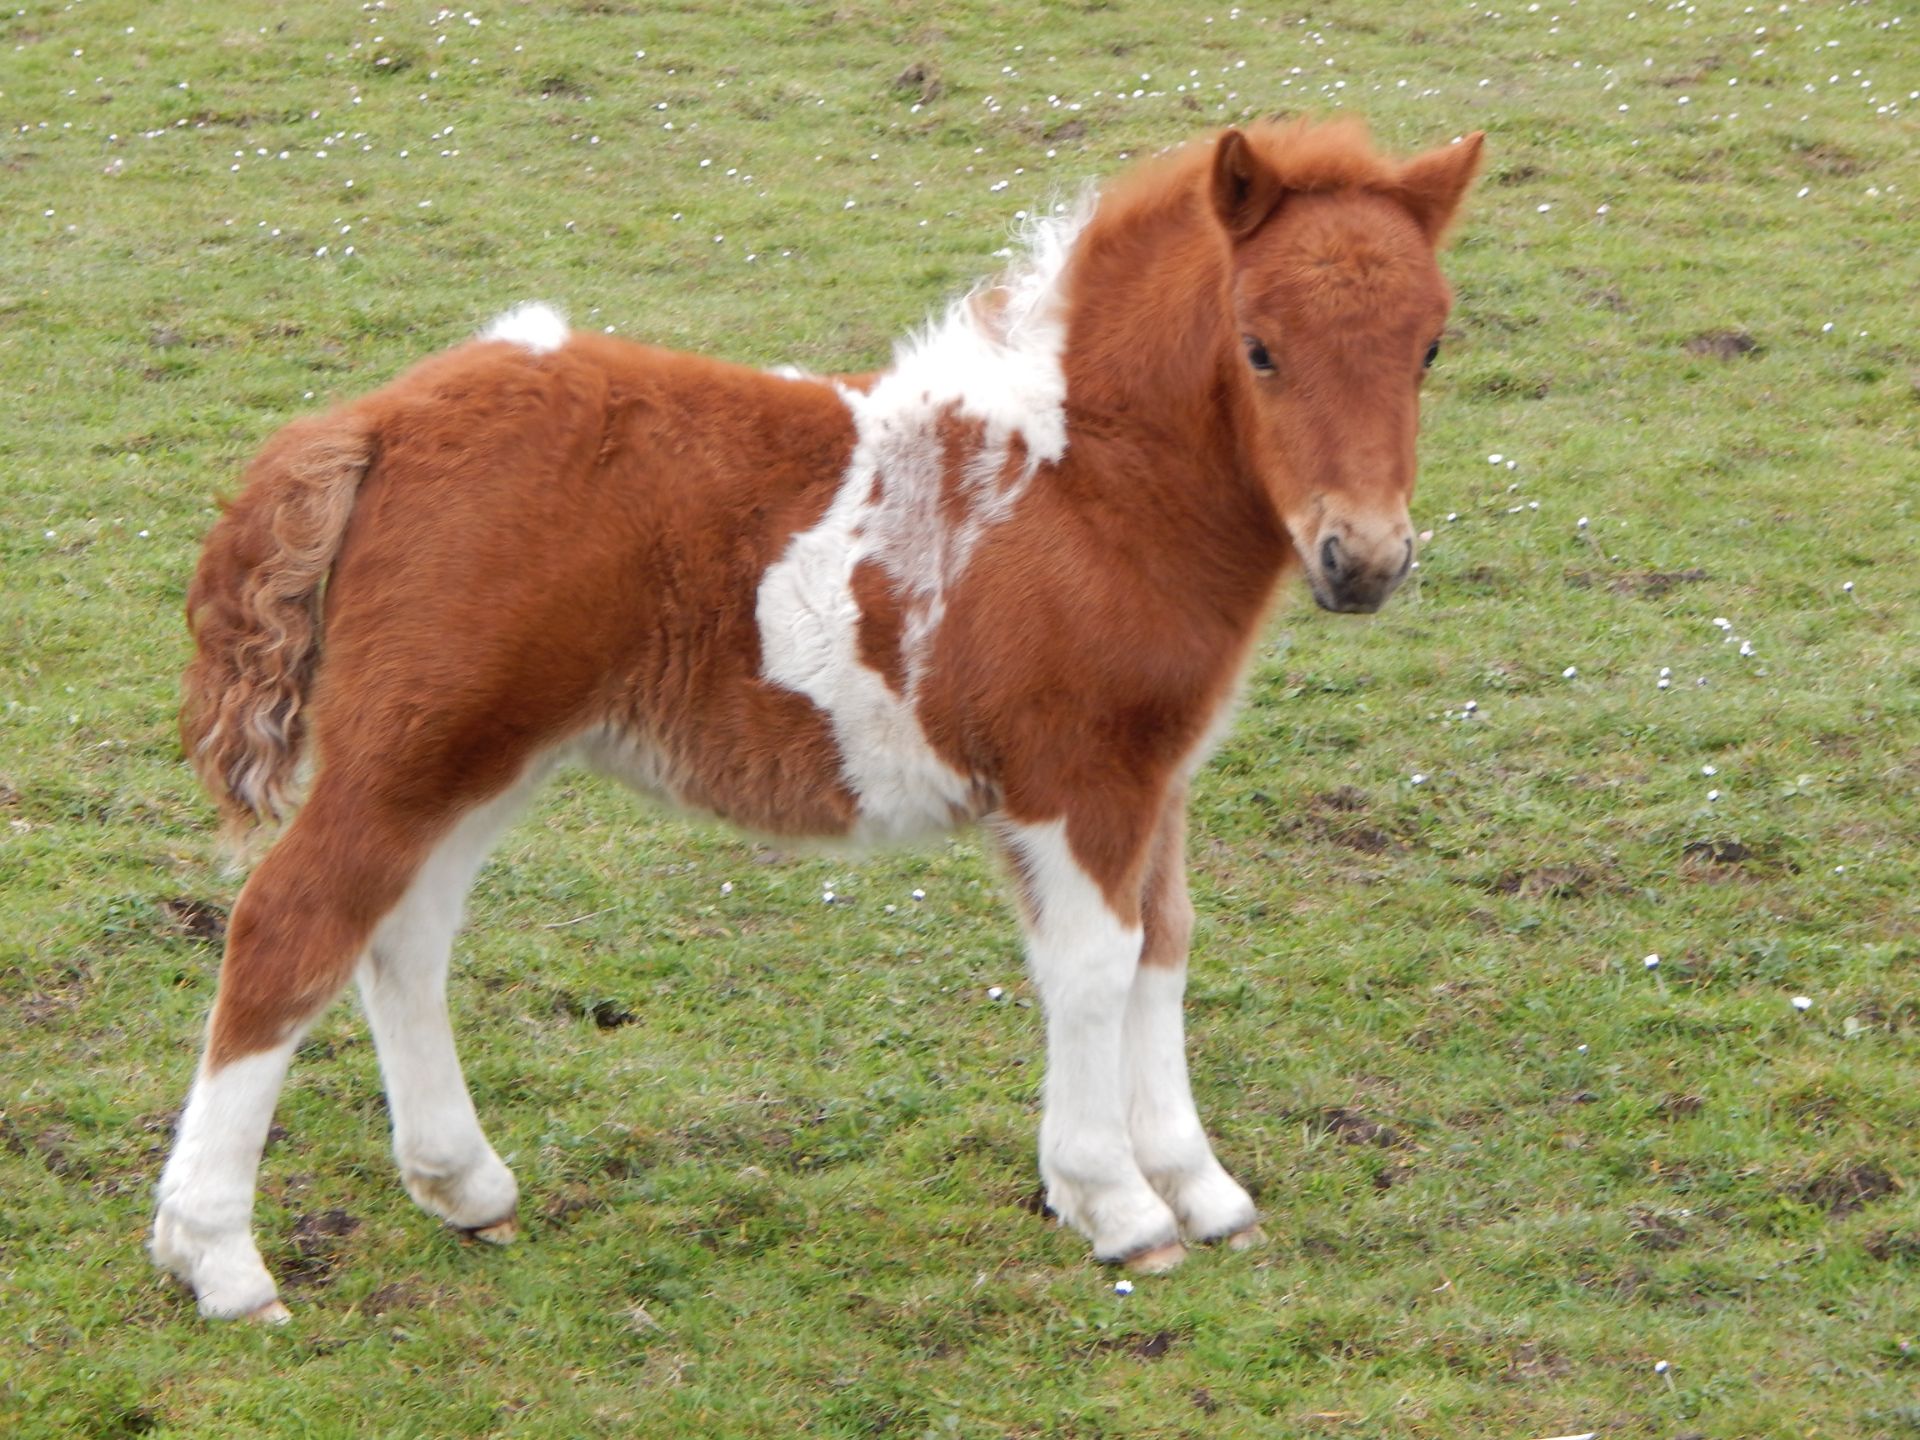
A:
{"x": 1345, "y": 588}
{"x": 1347, "y": 604}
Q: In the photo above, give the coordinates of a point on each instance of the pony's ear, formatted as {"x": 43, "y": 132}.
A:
{"x": 1245, "y": 190}
{"x": 1432, "y": 185}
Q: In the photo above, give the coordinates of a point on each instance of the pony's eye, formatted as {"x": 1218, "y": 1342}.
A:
{"x": 1433, "y": 354}
{"x": 1257, "y": 356}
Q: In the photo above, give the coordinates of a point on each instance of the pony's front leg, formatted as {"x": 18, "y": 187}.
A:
{"x": 1168, "y": 1139}
{"x": 1084, "y": 956}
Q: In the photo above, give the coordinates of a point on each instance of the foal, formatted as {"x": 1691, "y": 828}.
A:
{"x": 1012, "y": 579}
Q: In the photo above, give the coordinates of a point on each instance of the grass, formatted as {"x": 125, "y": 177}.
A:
{"x": 777, "y": 1155}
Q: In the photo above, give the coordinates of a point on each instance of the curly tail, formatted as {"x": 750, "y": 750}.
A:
{"x": 254, "y": 610}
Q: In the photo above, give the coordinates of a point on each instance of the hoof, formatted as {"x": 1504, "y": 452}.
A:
{"x": 271, "y": 1313}
{"x": 501, "y": 1232}
{"x": 1158, "y": 1260}
{"x": 1246, "y": 1239}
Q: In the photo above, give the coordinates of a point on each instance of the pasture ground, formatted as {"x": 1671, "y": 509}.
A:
{"x": 777, "y": 1155}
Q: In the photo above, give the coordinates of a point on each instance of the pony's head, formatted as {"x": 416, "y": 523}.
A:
{"x": 1338, "y": 304}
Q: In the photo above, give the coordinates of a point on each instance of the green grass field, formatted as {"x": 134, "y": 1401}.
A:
{"x": 776, "y": 1155}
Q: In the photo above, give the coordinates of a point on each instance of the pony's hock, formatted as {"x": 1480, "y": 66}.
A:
{"x": 1011, "y": 579}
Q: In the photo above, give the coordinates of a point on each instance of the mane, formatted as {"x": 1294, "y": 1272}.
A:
{"x": 996, "y": 351}
{"x": 1309, "y": 156}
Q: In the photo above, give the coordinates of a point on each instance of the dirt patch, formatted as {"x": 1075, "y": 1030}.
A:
{"x": 1657, "y": 1229}
{"x": 922, "y": 80}
{"x": 1345, "y": 800}
{"x": 1893, "y": 1246}
{"x": 1141, "y": 1347}
{"x": 389, "y": 1298}
{"x": 1728, "y": 858}
{"x": 1843, "y": 1189}
{"x": 1352, "y": 1127}
{"x": 1652, "y": 584}
{"x": 1723, "y": 344}
{"x": 196, "y": 919}
{"x": 1392, "y": 1175}
{"x": 571, "y": 1200}
{"x": 1832, "y": 160}
{"x": 565, "y": 85}
{"x": 315, "y": 1239}
{"x": 1535, "y": 1362}
{"x": 1557, "y": 882}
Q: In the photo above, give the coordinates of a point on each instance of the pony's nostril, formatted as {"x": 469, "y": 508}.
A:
{"x": 1330, "y": 557}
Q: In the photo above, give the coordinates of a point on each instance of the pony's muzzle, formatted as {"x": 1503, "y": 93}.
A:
{"x": 1353, "y": 571}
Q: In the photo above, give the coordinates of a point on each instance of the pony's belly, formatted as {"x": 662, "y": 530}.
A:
{"x": 877, "y": 782}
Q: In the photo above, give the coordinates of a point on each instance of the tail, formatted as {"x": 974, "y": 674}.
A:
{"x": 254, "y": 610}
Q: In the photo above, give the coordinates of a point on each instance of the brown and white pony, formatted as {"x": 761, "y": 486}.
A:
{"x": 1011, "y": 579}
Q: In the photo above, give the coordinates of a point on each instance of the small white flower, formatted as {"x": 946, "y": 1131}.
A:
{"x": 1418, "y": 779}
{"x": 1495, "y": 459}
{"x": 1713, "y": 795}
{"x": 1581, "y": 523}
{"x": 1709, "y": 770}
{"x": 1652, "y": 962}
{"x": 1722, "y": 623}
{"x": 726, "y": 887}
{"x": 1803, "y": 1002}
{"x": 1848, "y": 587}
{"x": 919, "y": 894}
{"x": 826, "y": 897}
{"x": 1661, "y": 1367}
{"x": 1569, "y": 672}
{"x": 994, "y": 992}
{"x": 1123, "y": 1287}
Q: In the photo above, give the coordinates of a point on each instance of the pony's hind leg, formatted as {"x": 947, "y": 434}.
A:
{"x": 445, "y": 1161}
{"x": 299, "y": 926}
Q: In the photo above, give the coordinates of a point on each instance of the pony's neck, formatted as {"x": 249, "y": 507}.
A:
{"x": 1151, "y": 363}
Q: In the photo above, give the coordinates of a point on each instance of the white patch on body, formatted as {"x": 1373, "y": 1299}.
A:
{"x": 995, "y": 359}
{"x": 1085, "y": 962}
{"x": 536, "y": 326}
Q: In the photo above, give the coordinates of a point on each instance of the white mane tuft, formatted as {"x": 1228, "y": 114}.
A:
{"x": 539, "y": 327}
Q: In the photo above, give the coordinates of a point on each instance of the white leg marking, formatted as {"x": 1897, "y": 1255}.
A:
{"x": 203, "y": 1231}
{"x": 445, "y": 1160}
{"x": 1084, "y": 961}
{"x": 1168, "y": 1139}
